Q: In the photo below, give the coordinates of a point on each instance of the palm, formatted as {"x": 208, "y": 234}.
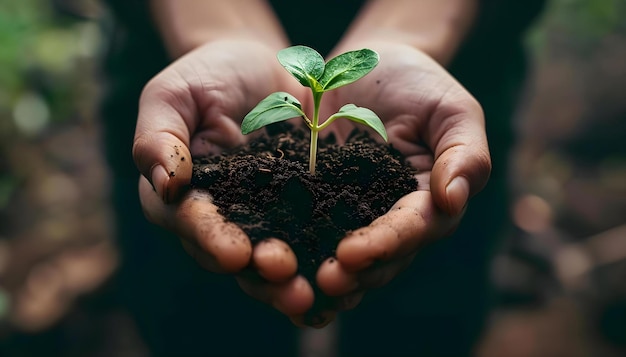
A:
{"x": 432, "y": 120}
{"x": 226, "y": 83}
{"x": 404, "y": 91}
{"x": 195, "y": 107}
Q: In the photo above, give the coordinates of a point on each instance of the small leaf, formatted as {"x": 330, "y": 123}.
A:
{"x": 347, "y": 68}
{"x": 275, "y": 107}
{"x": 362, "y": 116}
{"x": 304, "y": 63}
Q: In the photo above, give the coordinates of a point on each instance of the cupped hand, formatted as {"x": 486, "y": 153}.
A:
{"x": 439, "y": 127}
{"x": 192, "y": 108}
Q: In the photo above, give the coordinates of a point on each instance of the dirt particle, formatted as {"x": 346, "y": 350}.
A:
{"x": 182, "y": 158}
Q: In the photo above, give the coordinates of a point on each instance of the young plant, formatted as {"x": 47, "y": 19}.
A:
{"x": 309, "y": 68}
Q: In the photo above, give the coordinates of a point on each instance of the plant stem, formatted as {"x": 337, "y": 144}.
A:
{"x": 317, "y": 99}
{"x": 313, "y": 151}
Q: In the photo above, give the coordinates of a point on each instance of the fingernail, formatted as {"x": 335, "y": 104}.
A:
{"x": 159, "y": 180}
{"x": 320, "y": 320}
{"x": 350, "y": 301}
{"x": 457, "y": 194}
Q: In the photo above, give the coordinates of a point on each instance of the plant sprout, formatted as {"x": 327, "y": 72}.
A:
{"x": 309, "y": 68}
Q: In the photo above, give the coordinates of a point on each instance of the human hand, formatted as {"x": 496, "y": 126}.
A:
{"x": 439, "y": 127}
{"x": 194, "y": 107}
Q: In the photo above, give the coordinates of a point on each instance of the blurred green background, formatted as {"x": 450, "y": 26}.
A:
{"x": 561, "y": 275}
{"x": 55, "y": 227}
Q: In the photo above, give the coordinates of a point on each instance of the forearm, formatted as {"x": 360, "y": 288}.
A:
{"x": 437, "y": 27}
{"x": 187, "y": 24}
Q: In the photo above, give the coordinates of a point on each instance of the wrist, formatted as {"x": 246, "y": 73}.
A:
{"x": 437, "y": 28}
{"x": 187, "y": 24}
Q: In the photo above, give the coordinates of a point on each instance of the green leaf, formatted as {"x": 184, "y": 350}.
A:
{"x": 347, "y": 68}
{"x": 275, "y": 107}
{"x": 362, "y": 116}
{"x": 304, "y": 63}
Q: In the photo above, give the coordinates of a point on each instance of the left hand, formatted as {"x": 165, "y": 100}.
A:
{"x": 439, "y": 127}
{"x": 194, "y": 106}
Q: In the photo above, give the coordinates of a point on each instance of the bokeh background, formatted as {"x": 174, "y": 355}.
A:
{"x": 560, "y": 275}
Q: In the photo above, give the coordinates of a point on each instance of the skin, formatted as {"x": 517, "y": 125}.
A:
{"x": 194, "y": 107}
{"x": 439, "y": 127}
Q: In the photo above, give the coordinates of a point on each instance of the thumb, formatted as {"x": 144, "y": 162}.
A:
{"x": 462, "y": 162}
{"x": 162, "y": 137}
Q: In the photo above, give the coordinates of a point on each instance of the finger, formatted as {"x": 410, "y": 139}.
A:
{"x": 349, "y": 301}
{"x": 274, "y": 260}
{"x": 462, "y": 161}
{"x": 197, "y": 221}
{"x": 292, "y": 298}
{"x": 411, "y": 222}
{"x": 155, "y": 210}
{"x": 381, "y": 273}
{"x": 334, "y": 280}
{"x": 161, "y": 145}
{"x": 206, "y": 261}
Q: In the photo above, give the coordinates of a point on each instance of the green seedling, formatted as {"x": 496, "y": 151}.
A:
{"x": 309, "y": 68}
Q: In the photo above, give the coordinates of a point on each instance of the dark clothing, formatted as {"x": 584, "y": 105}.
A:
{"x": 437, "y": 307}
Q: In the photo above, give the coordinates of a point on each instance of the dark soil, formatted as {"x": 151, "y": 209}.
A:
{"x": 266, "y": 189}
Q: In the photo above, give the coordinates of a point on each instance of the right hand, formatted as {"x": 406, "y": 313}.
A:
{"x": 192, "y": 108}
{"x": 439, "y": 127}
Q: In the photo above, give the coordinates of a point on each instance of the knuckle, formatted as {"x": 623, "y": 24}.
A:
{"x": 483, "y": 167}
